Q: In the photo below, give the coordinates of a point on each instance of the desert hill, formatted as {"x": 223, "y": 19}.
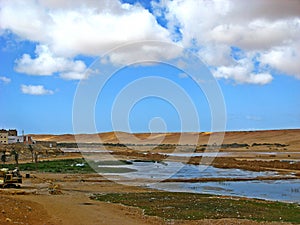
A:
{"x": 287, "y": 137}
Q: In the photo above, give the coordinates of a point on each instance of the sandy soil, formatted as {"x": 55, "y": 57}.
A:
{"x": 63, "y": 199}
{"x": 37, "y": 203}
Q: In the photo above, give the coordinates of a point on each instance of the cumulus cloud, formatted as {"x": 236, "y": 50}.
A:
{"x": 256, "y": 35}
{"x": 242, "y": 72}
{"x": 216, "y": 55}
{"x": 71, "y": 28}
{"x": 5, "y": 80}
{"x": 144, "y": 50}
{"x": 241, "y": 75}
{"x": 73, "y": 75}
{"x": 80, "y": 27}
{"x": 213, "y": 29}
{"x": 95, "y": 33}
{"x": 254, "y": 25}
{"x": 46, "y": 64}
{"x": 27, "y": 19}
{"x": 269, "y": 28}
{"x": 284, "y": 59}
{"x": 35, "y": 90}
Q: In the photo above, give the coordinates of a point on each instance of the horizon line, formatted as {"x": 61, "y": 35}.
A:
{"x": 169, "y": 132}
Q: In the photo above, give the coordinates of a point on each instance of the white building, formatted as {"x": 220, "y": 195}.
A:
{"x": 15, "y": 139}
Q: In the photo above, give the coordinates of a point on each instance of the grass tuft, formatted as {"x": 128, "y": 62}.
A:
{"x": 189, "y": 206}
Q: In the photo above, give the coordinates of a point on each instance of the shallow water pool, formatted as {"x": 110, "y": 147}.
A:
{"x": 275, "y": 190}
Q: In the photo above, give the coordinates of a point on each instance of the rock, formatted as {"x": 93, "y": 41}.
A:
{"x": 8, "y": 220}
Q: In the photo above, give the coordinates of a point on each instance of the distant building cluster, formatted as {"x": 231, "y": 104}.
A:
{"x": 11, "y": 136}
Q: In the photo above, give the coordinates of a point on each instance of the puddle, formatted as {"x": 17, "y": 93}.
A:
{"x": 279, "y": 190}
{"x": 150, "y": 173}
{"x": 85, "y": 150}
{"x": 156, "y": 170}
{"x": 192, "y": 171}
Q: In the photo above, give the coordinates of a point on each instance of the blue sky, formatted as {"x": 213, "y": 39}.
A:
{"x": 94, "y": 51}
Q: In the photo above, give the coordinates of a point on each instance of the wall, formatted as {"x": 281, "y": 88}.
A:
{"x": 15, "y": 139}
{"x": 3, "y": 138}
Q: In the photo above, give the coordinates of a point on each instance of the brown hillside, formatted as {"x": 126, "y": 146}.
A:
{"x": 290, "y": 137}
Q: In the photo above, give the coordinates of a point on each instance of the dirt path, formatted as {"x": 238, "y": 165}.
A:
{"x": 72, "y": 205}
{"x": 79, "y": 210}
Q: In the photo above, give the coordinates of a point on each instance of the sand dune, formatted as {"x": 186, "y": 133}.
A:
{"x": 289, "y": 137}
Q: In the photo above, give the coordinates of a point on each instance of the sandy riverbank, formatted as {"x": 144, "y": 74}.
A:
{"x": 34, "y": 203}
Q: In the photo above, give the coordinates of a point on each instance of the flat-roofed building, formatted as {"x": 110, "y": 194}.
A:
{"x": 15, "y": 139}
{"x": 3, "y": 137}
{"x": 12, "y": 132}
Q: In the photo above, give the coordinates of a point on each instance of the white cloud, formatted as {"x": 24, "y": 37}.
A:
{"x": 5, "y": 80}
{"x": 73, "y": 75}
{"x": 70, "y": 28}
{"x": 216, "y": 55}
{"x": 46, "y": 64}
{"x": 242, "y": 72}
{"x": 24, "y": 18}
{"x": 268, "y": 27}
{"x": 284, "y": 59}
{"x": 270, "y": 10}
{"x": 94, "y": 33}
{"x": 35, "y": 90}
{"x": 256, "y": 35}
{"x": 80, "y": 27}
{"x": 144, "y": 50}
{"x": 252, "y": 26}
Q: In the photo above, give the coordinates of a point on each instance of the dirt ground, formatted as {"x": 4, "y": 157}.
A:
{"x": 52, "y": 199}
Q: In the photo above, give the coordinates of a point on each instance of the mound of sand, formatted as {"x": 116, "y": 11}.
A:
{"x": 288, "y": 137}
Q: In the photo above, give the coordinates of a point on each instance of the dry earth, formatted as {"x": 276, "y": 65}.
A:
{"x": 37, "y": 203}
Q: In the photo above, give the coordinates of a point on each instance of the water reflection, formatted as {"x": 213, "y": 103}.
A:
{"x": 279, "y": 190}
{"x": 156, "y": 170}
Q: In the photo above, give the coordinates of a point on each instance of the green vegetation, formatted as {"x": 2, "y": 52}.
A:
{"x": 269, "y": 144}
{"x": 91, "y": 145}
{"x": 73, "y": 166}
{"x": 188, "y": 206}
{"x": 56, "y": 166}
